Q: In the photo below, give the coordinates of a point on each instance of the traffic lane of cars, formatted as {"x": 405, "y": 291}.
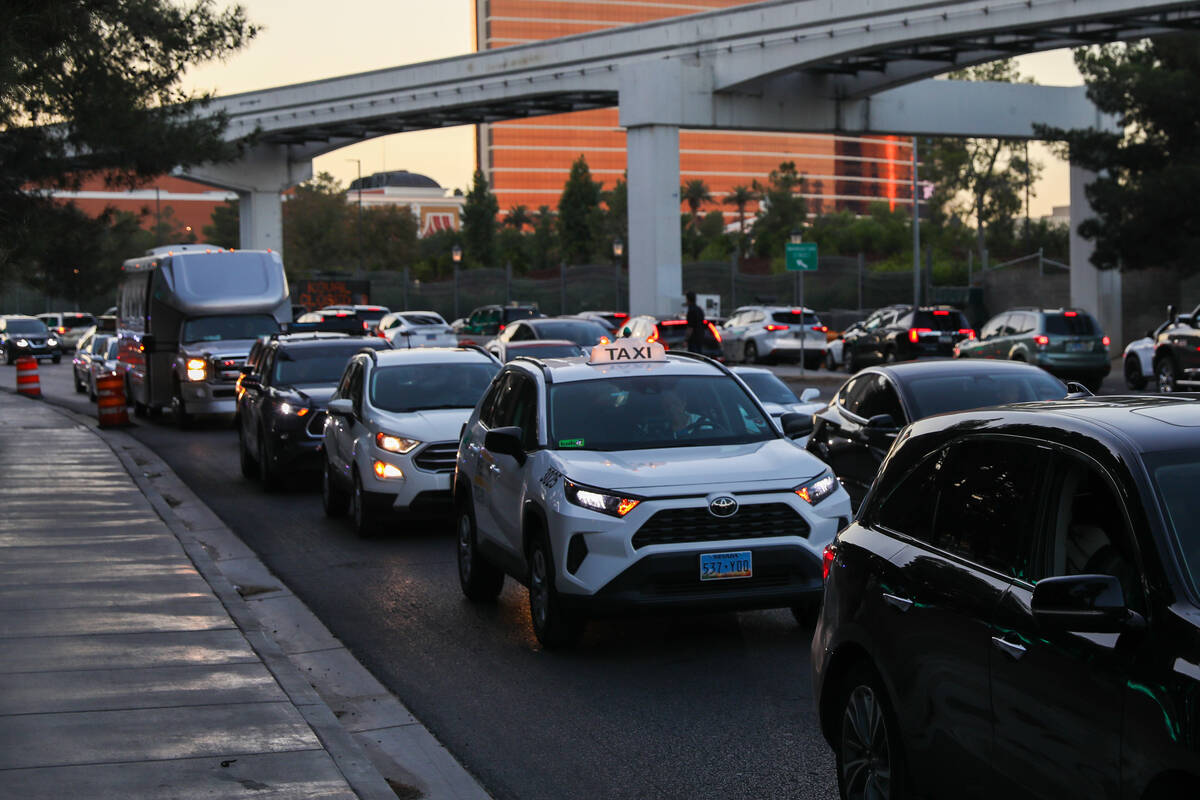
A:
{"x": 656, "y": 702}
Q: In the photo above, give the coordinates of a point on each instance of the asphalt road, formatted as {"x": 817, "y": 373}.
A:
{"x": 715, "y": 706}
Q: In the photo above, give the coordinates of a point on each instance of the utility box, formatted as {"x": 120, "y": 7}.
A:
{"x": 710, "y": 304}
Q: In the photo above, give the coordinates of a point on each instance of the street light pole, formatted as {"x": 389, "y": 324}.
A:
{"x": 618, "y": 249}
{"x": 796, "y": 237}
{"x": 456, "y": 258}
{"x": 358, "y": 161}
{"x": 916, "y": 226}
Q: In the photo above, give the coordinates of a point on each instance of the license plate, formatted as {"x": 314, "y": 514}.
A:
{"x": 1079, "y": 347}
{"x": 429, "y": 337}
{"x": 723, "y": 566}
{"x": 945, "y": 339}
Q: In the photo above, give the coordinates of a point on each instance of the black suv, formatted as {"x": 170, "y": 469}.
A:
{"x": 1015, "y": 612}
{"x": 282, "y": 397}
{"x": 901, "y": 334}
{"x": 1177, "y": 352}
{"x": 28, "y": 336}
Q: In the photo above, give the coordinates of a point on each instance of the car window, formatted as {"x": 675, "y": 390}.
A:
{"x": 521, "y": 333}
{"x": 356, "y": 388}
{"x": 84, "y": 342}
{"x": 403, "y": 388}
{"x": 1071, "y": 323}
{"x": 522, "y": 411}
{"x": 941, "y": 319}
{"x": 32, "y": 326}
{"x": 1025, "y": 323}
{"x": 856, "y": 390}
{"x": 487, "y": 407}
{"x": 769, "y": 388}
{"x": 1176, "y": 474}
{"x": 343, "y": 387}
{"x": 844, "y": 393}
{"x": 991, "y": 327}
{"x": 879, "y": 397}
{"x": 307, "y": 366}
{"x": 938, "y": 393}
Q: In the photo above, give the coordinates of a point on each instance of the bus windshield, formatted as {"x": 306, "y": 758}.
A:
{"x": 232, "y": 326}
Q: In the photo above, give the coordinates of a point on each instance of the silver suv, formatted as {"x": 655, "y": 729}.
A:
{"x": 769, "y": 333}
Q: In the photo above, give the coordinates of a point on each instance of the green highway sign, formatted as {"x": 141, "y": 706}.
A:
{"x": 801, "y": 257}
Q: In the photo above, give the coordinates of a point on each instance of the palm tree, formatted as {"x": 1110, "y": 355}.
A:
{"x": 695, "y": 193}
{"x": 739, "y": 197}
{"x": 518, "y": 217}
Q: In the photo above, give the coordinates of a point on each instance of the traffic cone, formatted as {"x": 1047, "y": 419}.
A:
{"x": 28, "y": 382}
{"x": 110, "y": 402}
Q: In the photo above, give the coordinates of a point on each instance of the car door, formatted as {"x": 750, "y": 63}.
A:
{"x": 253, "y": 396}
{"x": 841, "y": 436}
{"x": 964, "y": 513}
{"x": 497, "y": 406}
{"x": 518, "y": 408}
{"x": 1058, "y": 696}
{"x": 731, "y": 334}
{"x": 337, "y": 427}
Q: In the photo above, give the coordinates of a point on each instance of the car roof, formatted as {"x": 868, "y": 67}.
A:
{"x": 572, "y": 370}
{"x": 539, "y": 343}
{"x": 351, "y": 342}
{"x": 433, "y": 355}
{"x": 548, "y": 320}
{"x": 750, "y": 370}
{"x": 907, "y": 370}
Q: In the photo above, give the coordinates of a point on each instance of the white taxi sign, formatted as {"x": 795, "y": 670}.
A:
{"x": 627, "y": 351}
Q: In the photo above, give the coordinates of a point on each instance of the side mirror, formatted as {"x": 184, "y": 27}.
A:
{"x": 795, "y": 425}
{"x": 882, "y": 422}
{"x": 810, "y": 394}
{"x": 341, "y": 407}
{"x": 148, "y": 342}
{"x": 1171, "y": 315}
{"x": 506, "y": 441}
{"x": 1083, "y": 603}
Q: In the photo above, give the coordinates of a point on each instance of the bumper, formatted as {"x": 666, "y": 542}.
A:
{"x": 1074, "y": 367}
{"x": 34, "y": 352}
{"x": 209, "y": 398}
{"x": 791, "y": 348}
{"x": 416, "y": 493}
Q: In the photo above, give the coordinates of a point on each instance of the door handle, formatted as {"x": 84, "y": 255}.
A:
{"x": 897, "y": 602}
{"x": 1013, "y": 650}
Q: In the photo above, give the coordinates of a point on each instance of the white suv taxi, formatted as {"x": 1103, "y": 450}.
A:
{"x": 392, "y": 430}
{"x": 637, "y": 479}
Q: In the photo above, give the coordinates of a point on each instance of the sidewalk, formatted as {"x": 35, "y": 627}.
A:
{"x": 131, "y": 667}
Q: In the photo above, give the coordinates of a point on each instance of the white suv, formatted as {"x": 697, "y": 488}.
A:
{"x": 392, "y": 430}
{"x": 768, "y": 333}
{"x": 638, "y": 479}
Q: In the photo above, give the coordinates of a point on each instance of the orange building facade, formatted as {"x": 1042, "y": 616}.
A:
{"x": 527, "y": 161}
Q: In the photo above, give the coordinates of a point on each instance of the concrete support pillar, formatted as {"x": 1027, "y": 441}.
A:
{"x": 655, "y": 249}
{"x": 1095, "y": 290}
{"x": 259, "y": 177}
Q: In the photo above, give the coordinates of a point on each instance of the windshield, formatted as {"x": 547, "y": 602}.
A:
{"x": 937, "y": 394}
{"x": 940, "y": 320}
{"x": 303, "y": 366}
{"x": 1070, "y": 323}
{"x": 26, "y": 326}
{"x": 545, "y": 350}
{"x": 588, "y": 333}
{"x": 768, "y": 388}
{"x": 420, "y": 387}
{"x": 422, "y": 319}
{"x": 645, "y": 412}
{"x": 233, "y": 326}
{"x": 512, "y": 313}
{"x": 1175, "y": 474}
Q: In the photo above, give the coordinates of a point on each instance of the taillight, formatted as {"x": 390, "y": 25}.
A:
{"x": 366, "y": 327}
{"x": 915, "y": 333}
{"x": 502, "y": 327}
{"x": 716, "y": 335}
{"x": 1070, "y": 313}
{"x": 653, "y": 337}
{"x": 827, "y": 557}
{"x": 1106, "y": 341}
{"x": 61, "y": 330}
{"x": 775, "y": 327}
{"x": 941, "y": 313}
{"x": 967, "y": 332}
{"x": 1041, "y": 341}
{"x": 821, "y": 328}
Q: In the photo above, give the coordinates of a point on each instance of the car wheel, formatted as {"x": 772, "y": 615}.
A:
{"x": 830, "y": 364}
{"x": 55, "y": 359}
{"x": 267, "y": 473}
{"x": 91, "y": 388}
{"x": 1164, "y": 368}
{"x": 480, "y": 580}
{"x": 889, "y": 356}
{"x": 807, "y": 613}
{"x": 183, "y": 420}
{"x": 8, "y": 359}
{"x": 554, "y": 626}
{"x": 334, "y": 499}
{"x": 1134, "y": 379}
{"x": 79, "y": 387}
{"x": 364, "y": 521}
{"x": 249, "y": 465}
{"x": 870, "y": 763}
{"x": 750, "y": 354}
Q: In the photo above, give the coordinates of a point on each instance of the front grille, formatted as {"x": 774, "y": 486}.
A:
{"x": 227, "y": 369}
{"x": 676, "y": 525}
{"x": 316, "y": 425}
{"x": 437, "y": 457}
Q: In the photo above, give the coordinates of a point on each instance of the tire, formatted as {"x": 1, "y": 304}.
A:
{"x": 1134, "y": 379}
{"x": 334, "y": 499}
{"x": 554, "y": 626}
{"x": 1164, "y": 370}
{"x": 55, "y": 359}
{"x": 79, "y": 387}
{"x": 480, "y": 580}
{"x": 807, "y": 613}
{"x": 360, "y": 515}
{"x": 140, "y": 409}
{"x": 889, "y": 356}
{"x": 866, "y": 742}
{"x": 249, "y": 464}
{"x": 183, "y": 420}
{"x": 829, "y": 362}
{"x": 750, "y": 353}
{"x": 268, "y": 475}
{"x": 91, "y": 388}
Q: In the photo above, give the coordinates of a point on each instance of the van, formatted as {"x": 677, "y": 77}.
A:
{"x": 187, "y": 315}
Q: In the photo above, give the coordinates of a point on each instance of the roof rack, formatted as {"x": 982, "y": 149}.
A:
{"x": 537, "y": 361}
{"x": 701, "y": 357}
{"x": 481, "y": 349}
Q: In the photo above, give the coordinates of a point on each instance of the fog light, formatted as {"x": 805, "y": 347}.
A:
{"x": 384, "y": 470}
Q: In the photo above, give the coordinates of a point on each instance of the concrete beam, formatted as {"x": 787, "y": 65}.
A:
{"x": 655, "y": 248}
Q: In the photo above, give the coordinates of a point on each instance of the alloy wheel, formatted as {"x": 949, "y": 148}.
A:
{"x": 1166, "y": 375}
{"x": 865, "y": 753}
{"x": 539, "y": 589}
{"x": 466, "y": 548}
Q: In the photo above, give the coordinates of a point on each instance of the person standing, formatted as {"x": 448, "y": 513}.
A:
{"x": 695, "y": 325}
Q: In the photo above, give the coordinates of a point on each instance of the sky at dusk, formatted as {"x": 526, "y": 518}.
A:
{"x": 301, "y": 41}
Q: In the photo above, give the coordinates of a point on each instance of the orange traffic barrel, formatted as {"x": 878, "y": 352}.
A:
{"x": 110, "y": 401}
{"x": 28, "y": 383}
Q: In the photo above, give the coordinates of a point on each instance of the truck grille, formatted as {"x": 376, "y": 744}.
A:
{"x": 437, "y": 457}
{"x": 677, "y": 525}
{"x": 227, "y": 369}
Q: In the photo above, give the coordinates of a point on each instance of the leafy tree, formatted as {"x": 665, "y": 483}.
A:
{"x": 545, "y": 249}
{"x": 479, "y": 223}
{"x": 225, "y": 228}
{"x": 518, "y": 218}
{"x": 167, "y": 227}
{"x": 81, "y": 254}
{"x": 92, "y": 86}
{"x": 576, "y": 214}
{"x": 1147, "y": 173}
{"x": 980, "y": 179}
{"x": 389, "y": 238}
{"x": 695, "y": 193}
{"x": 783, "y": 208}
{"x": 739, "y": 197}
{"x": 317, "y": 227}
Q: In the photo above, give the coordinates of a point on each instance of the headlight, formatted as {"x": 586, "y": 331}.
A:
{"x": 288, "y": 408}
{"x": 384, "y": 470}
{"x": 22, "y": 343}
{"x": 817, "y": 490}
{"x": 197, "y": 369}
{"x": 598, "y": 500}
{"x": 395, "y": 444}
{"x": 52, "y": 341}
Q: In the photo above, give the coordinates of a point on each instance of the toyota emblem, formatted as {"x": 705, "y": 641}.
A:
{"x": 723, "y": 506}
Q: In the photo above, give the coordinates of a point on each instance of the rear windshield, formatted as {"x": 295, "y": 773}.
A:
{"x": 795, "y": 318}
{"x": 516, "y": 313}
{"x": 1067, "y": 324}
{"x": 303, "y": 366}
{"x": 940, "y": 320}
{"x": 546, "y": 350}
{"x": 937, "y": 394}
{"x": 422, "y": 387}
{"x": 111, "y": 352}
{"x": 234, "y": 326}
{"x": 26, "y": 326}
{"x": 1176, "y": 474}
{"x": 673, "y": 333}
{"x": 588, "y": 333}
{"x": 78, "y": 320}
{"x": 768, "y": 388}
{"x": 422, "y": 319}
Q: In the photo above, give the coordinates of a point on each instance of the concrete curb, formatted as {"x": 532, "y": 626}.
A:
{"x": 379, "y": 746}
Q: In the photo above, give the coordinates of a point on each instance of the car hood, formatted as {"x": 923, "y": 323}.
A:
{"x": 776, "y": 462}
{"x": 316, "y": 395}
{"x": 434, "y": 425}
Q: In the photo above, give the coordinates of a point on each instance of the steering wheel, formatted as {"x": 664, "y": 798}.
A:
{"x": 703, "y": 423}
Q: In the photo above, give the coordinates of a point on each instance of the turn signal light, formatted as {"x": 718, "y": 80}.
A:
{"x": 827, "y": 557}
{"x": 384, "y": 470}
